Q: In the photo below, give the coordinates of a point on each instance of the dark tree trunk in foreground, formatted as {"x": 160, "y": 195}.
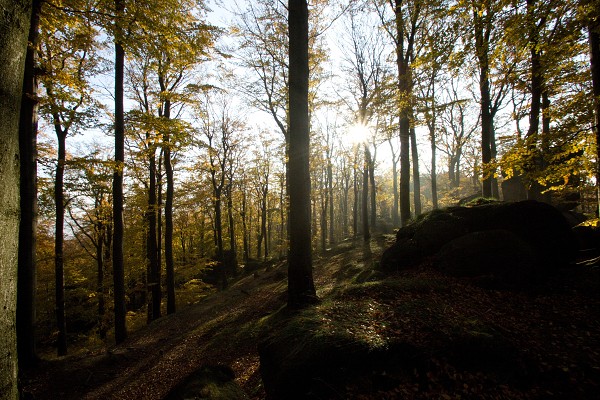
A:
{"x": 28, "y": 126}
{"x": 416, "y": 174}
{"x": 152, "y": 256}
{"x": 118, "y": 261}
{"x": 482, "y": 27}
{"x": 373, "y": 194}
{"x": 365, "y": 196}
{"x": 244, "y": 215}
{"x": 594, "y": 39}
{"x": 355, "y": 192}
{"x": 169, "y": 262}
{"x": 404, "y": 87}
{"x": 301, "y": 287}
{"x": 14, "y": 25}
{"x": 534, "y": 190}
{"x": 59, "y": 203}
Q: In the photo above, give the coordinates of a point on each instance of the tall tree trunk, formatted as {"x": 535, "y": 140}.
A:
{"x": 404, "y": 86}
{"x": 545, "y": 139}
{"x": 330, "y": 194}
{"x": 395, "y": 210}
{"x": 101, "y": 229}
{"x": 431, "y": 125}
{"x": 159, "y": 214}
{"x": 245, "y": 228}
{"x": 263, "y": 223}
{"x": 28, "y": 126}
{"x": 169, "y": 262}
{"x": 118, "y": 227}
{"x": 373, "y": 194}
{"x": 534, "y": 189}
{"x": 594, "y": 39}
{"x": 365, "y": 196}
{"x": 434, "y": 190}
{"x": 416, "y": 175}
{"x": 345, "y": 205}
{"x": 59, "y": 202}
{"x": 355, "y": 197}
{"x": 324, "y": 207}
{"x": 152, "y": 256}
{"x": 481, "y": 47}
{"x": 282, "y": 213}
{"x": 218, "y": 224}
{"x": 14, "y": 25}
{"x": 232, "y": 260}
{"x": 301, "y": 287}
{"x": 108, "y": 236}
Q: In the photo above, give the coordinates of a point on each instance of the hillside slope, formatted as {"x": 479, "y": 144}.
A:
{"x": 458, "y": 339}
{"x": 221, "y": 329}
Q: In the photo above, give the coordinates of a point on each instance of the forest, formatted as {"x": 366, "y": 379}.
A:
{"x": 170, "y": 151}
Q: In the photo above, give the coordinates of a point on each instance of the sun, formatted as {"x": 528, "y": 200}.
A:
{"x": 358, "y": 134}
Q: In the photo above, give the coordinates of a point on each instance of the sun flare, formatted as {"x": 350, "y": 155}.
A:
{"x": 358, "y": 134}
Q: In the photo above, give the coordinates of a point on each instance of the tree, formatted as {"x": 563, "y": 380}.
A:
{"x": 66, "y": 56}
{"x": 118, "y": 200}
{"x": 220, "y": 138}
{"x": 365, "y": 63}
{"x": 301, "y": 287}
{"x": 176, "y": 41}
{"x": 456, "y": 130}
{"x": 91, "y": 222}
{"x": 402, "y": 29}
{"x": 28, "y": 126}
{"x": 144, "y": 124}
{"x": 14, "y": 24}
{"x": 594, "y": 40}
{"x": 436, "y": 49}
{"x": 486, "y": 20}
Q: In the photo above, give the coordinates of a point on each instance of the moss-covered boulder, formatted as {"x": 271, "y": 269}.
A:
{"x": 538, "y": 226}
{"x": 497, "y": 257}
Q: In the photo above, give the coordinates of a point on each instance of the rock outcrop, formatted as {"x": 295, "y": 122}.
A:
{"x": 515, "y": 242}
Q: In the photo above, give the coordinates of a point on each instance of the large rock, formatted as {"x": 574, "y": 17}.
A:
{"x": 499, "y": 256}
{"x": 538, "y": 225}
{"x": 298, "y": 365}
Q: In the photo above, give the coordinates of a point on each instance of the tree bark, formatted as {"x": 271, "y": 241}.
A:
{"x": 152, "y": 256}
{"x": 264, "y": 221}
{"x": 355, "y": 197}
{"x": 594, "y": 39}
{"x": 431, "y": 123}
{"x": 245, "y": 228}
{"x": 14, "y": 25}
{"x": 481, "y": 30}
{"x": 330, "y": 194}
{"x": 373, "y": 194}
{"x": 59, "y": 203}
{"x": 169, "y": 262}
{"x": 28, "y": 126}
{"x": 396, "y": 199}
{"x": 365, "y": 196}
{"x": 404, "y": 86}
{"x": 416, "y": 175}
{"x": 301, "y": 288}
{"x": 536, "y": 87}
{"x": 434, "y": 191}
{"x": 101, "y": 228}
{"x": 118, "y": 227}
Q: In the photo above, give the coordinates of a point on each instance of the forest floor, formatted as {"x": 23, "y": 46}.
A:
{"x": 556, "y": 326}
